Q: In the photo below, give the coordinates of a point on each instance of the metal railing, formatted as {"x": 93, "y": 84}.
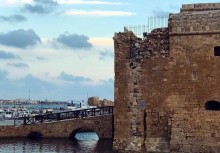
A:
{"x": 153, "y": 23}
{"x": 138, "y": 30}
{"x": 83, "y": 113}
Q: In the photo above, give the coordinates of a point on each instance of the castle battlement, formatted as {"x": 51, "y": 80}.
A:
{"x": 200, "y": 7}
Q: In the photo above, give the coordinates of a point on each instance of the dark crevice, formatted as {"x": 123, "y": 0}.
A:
{"x": 145, "y": 126}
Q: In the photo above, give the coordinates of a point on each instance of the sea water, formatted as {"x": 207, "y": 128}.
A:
{"x": 87, "y": 142}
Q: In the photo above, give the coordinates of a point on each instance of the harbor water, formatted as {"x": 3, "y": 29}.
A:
{"x": 87, "y": 142}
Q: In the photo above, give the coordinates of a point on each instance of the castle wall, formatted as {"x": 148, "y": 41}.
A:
{"x": 132, "y": 122}
{"x": 193, "y": 35}
{"x": 129, "y": 128}
{"x": 163, "y": 82}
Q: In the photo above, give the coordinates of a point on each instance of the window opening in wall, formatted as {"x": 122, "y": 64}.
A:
{"x": 217, "y": 50}
{"x": 212, "y": 105}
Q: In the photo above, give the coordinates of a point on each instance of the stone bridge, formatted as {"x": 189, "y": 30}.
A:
{"x": 102, "y": 125}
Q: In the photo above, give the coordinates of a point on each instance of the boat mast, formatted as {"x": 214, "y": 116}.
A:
{"x": 29, "y": 99}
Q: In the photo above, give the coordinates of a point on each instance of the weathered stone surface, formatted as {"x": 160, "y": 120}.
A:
{"x": 102, "y": 125}
{"x": 106, "y": 102}
{"x": 162, "y": 83}
{"x": 94, "y": 101}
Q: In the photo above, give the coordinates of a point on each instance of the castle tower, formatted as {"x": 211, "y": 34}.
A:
{"x": 167, "y": 85}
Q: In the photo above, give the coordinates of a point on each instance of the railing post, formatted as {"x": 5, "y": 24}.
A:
{"x": 93, "y": 112}
{"x": 41, "y": 119}
{"x": 76, "y": 114}
{"x": 109, "y": 110}
{"x": 82, "y": 113}
{"x": 24, "y": 121}
{"x": 58, "y": 116}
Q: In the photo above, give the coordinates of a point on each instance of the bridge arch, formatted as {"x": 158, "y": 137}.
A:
{"x": 101, "y": 125}
{"x": 83, "y": 129}
{"x": 35, "y": 135}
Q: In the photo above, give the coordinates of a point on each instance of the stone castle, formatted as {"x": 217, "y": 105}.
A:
{"x": 167, "y": 85}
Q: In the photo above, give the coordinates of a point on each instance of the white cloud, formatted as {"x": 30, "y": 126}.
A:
{"x": 98, "y": 13}
{"x": 71, "y": 2}
{"x": 93, "y": 2}
{"x": 102, "y": 42}
{"x": 15, "y": 2}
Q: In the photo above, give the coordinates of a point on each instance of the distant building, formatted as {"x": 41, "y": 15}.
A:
{"x": 94, "y": 101}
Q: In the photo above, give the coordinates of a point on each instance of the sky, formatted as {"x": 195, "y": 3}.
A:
{"x": 63, "y": 49}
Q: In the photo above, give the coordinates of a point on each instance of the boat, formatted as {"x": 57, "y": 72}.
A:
{"x": 77, "y": 105}
{"x": 9, "y": 114}
{"x": 2, "y": 114}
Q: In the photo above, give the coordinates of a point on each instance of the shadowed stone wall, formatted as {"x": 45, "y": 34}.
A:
{"x": 163, "y": 82}
{"x": 134, "y": 84}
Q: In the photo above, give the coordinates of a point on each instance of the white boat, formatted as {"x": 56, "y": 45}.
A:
{"x": 23, "y": 113}
{"x": 14, "y": 112}
{"x": 8, "y": 114}
{"x": 77, "y": 105}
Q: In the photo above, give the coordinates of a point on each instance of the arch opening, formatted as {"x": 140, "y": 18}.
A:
{"x": 35, "y": 135}
{"x": 212, "y": 105}
{"x": 84, "y": 134}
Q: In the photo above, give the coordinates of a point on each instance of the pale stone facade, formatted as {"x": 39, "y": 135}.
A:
{"x": 164, "y": 81}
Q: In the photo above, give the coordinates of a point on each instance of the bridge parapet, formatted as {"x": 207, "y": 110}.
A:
{"x": 101, "y": 125}
{"x": 82, "y": 113}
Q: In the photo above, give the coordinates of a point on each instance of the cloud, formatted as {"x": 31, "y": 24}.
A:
{"x": 19, "y": 88}
{"x": 41, "y": 6}
{"x": 37, "y": 9}
{"x": 89, "y": 2}
{"x": 14, "y": 2}
{"x": 41, "y": 58}
{"x": 20, "y": 38}
{"x": 160, "y": 13}
{"x": 36, "y": 85}
{"x": 69, "y": 77}
{"x": 18, "y": 65}
{"x": 13, "y": 89}
{"x": 3, "y": 75}
{"x": 99, "y": 13}
{"x": 7, "y": 55}
{"x": 47, "y": 2}
{"x": 106, "y": 53}
{"x": 13, "y": 18}
{"x": 74, "y": 41}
